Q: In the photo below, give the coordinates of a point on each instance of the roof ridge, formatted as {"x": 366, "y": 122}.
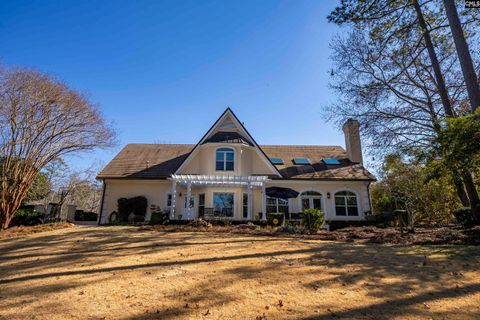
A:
{"x": 300, "y": 145}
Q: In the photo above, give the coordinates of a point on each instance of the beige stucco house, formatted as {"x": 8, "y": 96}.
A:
{"x": 228, "y": 175}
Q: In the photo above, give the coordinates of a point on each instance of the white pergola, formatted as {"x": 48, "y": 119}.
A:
{"x": 189, "y": 180}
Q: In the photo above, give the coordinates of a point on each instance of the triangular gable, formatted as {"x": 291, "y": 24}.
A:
{"x": 228, "y": 121}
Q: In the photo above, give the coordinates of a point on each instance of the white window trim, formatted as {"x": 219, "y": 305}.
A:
{"x": 166, "y": 200}
{"x": 276, "y": 203}
{"x": 360, "y": 215}
{"x": 225, "y": 192}
{"x": 245, "y": 205}
{"x": 321, "y": 197}
{"x": 235, "y": 162}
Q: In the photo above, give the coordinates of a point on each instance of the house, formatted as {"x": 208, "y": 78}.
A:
{"x": 228, "y": 175}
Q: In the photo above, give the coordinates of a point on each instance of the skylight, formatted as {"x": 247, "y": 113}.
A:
{"x": 276, "y": 160}
{"x": 301, "y": 161}
{"x": 330, "y": 161}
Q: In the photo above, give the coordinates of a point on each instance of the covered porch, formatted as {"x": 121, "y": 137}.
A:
{"x": 218, "y": 196}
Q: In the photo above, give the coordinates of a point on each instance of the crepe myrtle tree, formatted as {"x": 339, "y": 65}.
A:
{"x": 41, "y": 120}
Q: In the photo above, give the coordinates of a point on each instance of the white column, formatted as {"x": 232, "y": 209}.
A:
{"x": 264, "y": 203}
{"x": 189, "y": 196}
{"x": 250, "y": 203}
{"x": 174, "y": 200}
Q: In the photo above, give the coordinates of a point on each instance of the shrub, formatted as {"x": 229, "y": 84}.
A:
{"x": 313, "y": 220}
{"x": 81, "y": 215}
{"x": 123, "y": 210}
{"x": 136, "y": 205}
{"x": 25, "y": 217}
{"x": 276, "y": 219}
{"x": 464, "y": 216}
{"x": 160, "y": 217}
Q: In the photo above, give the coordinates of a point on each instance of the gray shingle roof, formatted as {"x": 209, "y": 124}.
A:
{"x": 159, "y": 161}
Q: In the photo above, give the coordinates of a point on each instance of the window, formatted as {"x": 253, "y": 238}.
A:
{"x": 330, "y": 161}
{"x": 276, "y": 160}
{"x": 192, "y": 201}
{"x": 169, "y": 200}
{"x": 201, "y": 204}
{"x": 311, "y": 200}
{"x": 245, "y": 205}
{"x": 224, "y": 159}
{"x": 277, "y": 205}
{"x": 301, "y": 161}
{"x": 346, "y": 204}
{"x": 223, "y": 204}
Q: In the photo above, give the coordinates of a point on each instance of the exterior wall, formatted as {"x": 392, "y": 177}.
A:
{"x": 247, "y": 161}
{"x": 209, "y": 191}
{"x": 360, "y": 188}
{"x": 154, "y": 190}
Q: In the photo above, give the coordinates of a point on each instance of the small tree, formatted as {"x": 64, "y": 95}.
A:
{"x": 313, "y": 220}
{"x": 41, "y": 120}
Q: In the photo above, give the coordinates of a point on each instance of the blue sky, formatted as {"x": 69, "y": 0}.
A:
{"x": 163, "y": 71}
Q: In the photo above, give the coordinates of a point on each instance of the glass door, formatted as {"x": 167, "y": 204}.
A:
{"x": 201, "y": 205}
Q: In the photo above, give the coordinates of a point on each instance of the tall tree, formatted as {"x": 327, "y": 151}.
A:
{"x": 397, "y": 34}
{"x": 464, "y": 56}
{"x": 41, "y": 120}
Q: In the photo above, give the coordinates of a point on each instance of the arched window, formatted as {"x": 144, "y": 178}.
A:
{"x": 311, "y": 200}
{"x": 224, "y": 159}
{"x": 346, "y": 204}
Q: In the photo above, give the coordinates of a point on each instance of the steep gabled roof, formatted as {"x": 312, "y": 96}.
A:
{"x": 229, "y": 121}
{"x": 160, "y": 161}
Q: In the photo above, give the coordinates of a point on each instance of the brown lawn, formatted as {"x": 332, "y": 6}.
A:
{"x": 127, "y": 273}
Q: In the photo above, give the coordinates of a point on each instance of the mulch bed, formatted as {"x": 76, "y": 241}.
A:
{"x": 20, "y": 231}
{"x": 369, "y": 234}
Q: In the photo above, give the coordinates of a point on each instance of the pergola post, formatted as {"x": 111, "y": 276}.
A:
{"x": 250, "y": 202}
{"x": 264, "y": 203}
{"x": 189, "y": 196}
{"x": 174, "y": 200}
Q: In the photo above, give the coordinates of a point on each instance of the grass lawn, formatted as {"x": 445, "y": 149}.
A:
{"x": 125, "y": 273}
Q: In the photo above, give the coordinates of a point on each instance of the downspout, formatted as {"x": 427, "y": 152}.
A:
{"x": 369, "y": 197}
{"x": 101, "y": 202}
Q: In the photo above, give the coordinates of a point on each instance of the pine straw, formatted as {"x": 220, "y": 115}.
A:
{"x": 439, "y": 235}
{"x": 21, "y": 231}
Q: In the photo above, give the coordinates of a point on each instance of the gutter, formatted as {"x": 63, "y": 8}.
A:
{"x": 102, "y": 202}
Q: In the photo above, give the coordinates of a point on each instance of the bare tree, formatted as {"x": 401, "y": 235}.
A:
{"x": 41, "y": 120}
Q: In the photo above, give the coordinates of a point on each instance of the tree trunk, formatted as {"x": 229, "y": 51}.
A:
{"x": 442, "y": 89}
{"x": 472, "y": 195}
{"x": 459, "y": 187}
{"x": 468, "y": 70}
{"x": 7, "y": 216}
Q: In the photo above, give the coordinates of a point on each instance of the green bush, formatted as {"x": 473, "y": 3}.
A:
{"x": 276, "y": 219}
{"x": 81, "y": 215}
{"x": 464, "y": 216}
{"x": 313, "y": 220}
{"x": 24, "y": 217}
{"x": 160, "y": 217}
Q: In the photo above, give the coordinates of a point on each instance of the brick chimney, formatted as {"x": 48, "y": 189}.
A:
{"x": 351, "y": 129}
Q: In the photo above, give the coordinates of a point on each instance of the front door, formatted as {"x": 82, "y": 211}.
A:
{"x": 193, "y": 207}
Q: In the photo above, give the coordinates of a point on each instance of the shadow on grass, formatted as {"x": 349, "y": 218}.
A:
{"x": 82, "y": 252}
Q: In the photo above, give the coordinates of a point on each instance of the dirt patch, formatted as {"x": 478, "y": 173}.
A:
{"x": 441, "y": 235}
{"x": 126, "y": 273}
{"x": 21, "y": 231}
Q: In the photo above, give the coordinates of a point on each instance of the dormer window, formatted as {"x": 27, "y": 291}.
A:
{"x": 224, "y": 159}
